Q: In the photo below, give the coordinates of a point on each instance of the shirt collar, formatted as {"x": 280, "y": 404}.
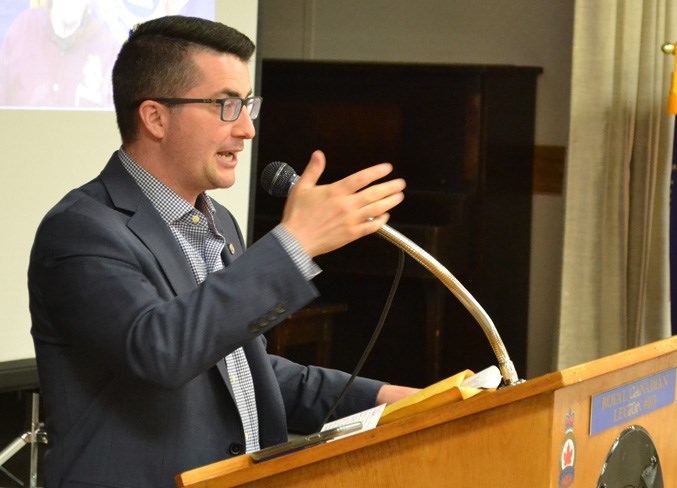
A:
{"x": 167, "y": 202}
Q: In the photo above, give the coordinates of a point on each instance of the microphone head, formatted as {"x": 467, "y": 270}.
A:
{"x": 278, "y": 178}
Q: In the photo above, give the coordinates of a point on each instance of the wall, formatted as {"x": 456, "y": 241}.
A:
{"x": 45, "y": 154}
{"x": 519, "y": 32}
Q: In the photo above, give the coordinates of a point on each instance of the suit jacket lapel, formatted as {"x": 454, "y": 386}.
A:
{"x": 165, "y": 248}
{"x": 146, "y": 223}
{"x": 226, "y": 225}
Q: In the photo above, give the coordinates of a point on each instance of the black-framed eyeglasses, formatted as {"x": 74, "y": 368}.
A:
{"x": 230, "y": 107}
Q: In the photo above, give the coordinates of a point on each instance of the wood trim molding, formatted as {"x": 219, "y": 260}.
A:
{"x": 549, "y": 163}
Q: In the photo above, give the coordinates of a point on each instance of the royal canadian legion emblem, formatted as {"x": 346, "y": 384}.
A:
{"x": 567, "y": 457}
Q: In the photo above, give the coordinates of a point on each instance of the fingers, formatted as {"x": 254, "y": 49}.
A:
{"x": 376, "y": 200}
{"x": 370, "y": 201}
{"x": 372, "y": 224}
{"x": 377, "y": 207}
{"x": 363, "y": 178}
{"x": 380, "y": 191}
{"x": 323, "y": 218}
{"x": 313, "y": 170}
{"x": 352, "y": 183}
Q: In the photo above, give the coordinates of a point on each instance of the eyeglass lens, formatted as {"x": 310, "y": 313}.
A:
{"x": 231, "y": 108}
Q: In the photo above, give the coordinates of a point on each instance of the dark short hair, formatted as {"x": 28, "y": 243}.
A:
{"x": 156, "y": 61}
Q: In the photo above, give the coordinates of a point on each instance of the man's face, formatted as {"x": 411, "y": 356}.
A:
{"x": 202, "y": 150}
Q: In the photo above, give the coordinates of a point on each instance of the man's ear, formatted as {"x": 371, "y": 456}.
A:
{"x": 154, "y": 118}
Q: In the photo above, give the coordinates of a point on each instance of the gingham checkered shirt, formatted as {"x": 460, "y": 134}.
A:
{"x": 202, "y": 244}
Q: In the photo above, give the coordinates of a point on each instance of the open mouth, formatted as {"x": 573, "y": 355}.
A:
{"x": 227, "y": 156}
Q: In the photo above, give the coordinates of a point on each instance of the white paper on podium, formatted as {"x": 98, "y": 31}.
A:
{"x": 487, "y": 378}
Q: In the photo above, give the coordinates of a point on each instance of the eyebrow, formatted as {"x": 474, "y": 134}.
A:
{"x": 232, "y": 93}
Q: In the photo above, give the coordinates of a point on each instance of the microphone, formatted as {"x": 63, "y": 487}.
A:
{"x": 278, "y": 179}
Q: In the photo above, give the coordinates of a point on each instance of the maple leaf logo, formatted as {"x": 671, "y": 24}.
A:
{"x": 568, "y": 455}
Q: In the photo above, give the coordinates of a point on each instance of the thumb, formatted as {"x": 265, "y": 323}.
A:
{"x": 313, "y": 170}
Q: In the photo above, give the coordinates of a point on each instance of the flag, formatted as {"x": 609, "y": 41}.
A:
{"x": 672, "y": 109}
{"x": 673, "y": 237}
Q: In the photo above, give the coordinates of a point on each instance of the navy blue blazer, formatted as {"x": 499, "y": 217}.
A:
{"x": 130, "y": 349}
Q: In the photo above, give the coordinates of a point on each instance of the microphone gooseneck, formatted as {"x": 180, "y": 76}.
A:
{"x": 278, "y": 178}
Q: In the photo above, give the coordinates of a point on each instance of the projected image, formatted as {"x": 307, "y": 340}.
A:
{"x": 59, "y": 54}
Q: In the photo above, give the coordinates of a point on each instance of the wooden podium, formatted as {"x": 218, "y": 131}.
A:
{"x": 534, "y": 434}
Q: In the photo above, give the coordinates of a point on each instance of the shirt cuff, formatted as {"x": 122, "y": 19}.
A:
{"x": 303, "y": 262}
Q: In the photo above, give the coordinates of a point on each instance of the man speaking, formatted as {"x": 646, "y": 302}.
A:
{"x": 147, "y": 310}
